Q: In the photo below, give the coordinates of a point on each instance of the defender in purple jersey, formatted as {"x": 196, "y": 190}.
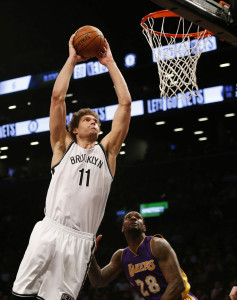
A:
{"x": 149, "y": 262}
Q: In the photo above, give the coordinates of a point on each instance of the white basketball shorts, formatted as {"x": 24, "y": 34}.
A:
{"x": 55, "y": 263}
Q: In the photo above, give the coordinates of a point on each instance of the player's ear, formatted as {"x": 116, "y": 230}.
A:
{"x": 144, "y": 226}
{"x": 122, "y": 229}
{"x": 75, "y": 130}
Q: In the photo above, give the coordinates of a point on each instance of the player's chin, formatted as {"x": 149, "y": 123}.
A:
{"x": 134, "y": 229}
{"x": 94, "y": 135}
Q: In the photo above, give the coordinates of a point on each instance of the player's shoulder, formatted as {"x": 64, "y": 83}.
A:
{"x": 157, "y": 238}
{"x": 158, "y": 243}
{"x": 117, "y": 256}
{"x": 118, "y": 252}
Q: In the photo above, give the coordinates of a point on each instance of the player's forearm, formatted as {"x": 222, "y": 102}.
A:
{"x": 173, "y": 291}
{"x": 95, "y": 274}
{"x": 62, "y": 82}
{"x": 120, "y": 85}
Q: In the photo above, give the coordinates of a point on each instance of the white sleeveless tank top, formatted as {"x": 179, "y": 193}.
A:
{"x": 79, "y": 188}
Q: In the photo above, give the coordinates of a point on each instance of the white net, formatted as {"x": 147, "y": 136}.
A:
{"x": 176, "y": 61}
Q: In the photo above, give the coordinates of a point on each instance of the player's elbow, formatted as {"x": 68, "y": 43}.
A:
{"x": 57, "y": 97}
{"x": 180, "y": 286}
{"x": 98, "y": 284}
{"x": 101, "y": 285}
{"x": 176, "y": 287}
{"x": 125, "y": 107}
{"x": 96, "y": 280}
{"x": 95, "y": 284}
{"x": 127, "y": 100}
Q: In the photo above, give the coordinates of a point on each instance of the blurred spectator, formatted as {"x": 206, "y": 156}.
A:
{"x": 122, "y": 285}
{"x": 217, "y": 291}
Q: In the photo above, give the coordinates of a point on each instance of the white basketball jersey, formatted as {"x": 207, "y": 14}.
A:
{"x": 79, "y": 188}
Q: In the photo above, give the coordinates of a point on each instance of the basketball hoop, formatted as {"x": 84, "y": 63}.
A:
{"x": 176, "y": 61}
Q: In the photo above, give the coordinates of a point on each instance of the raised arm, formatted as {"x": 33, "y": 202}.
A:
{"x": 58, "y": 133}
{"x": 113, "y": 141}
{"x": 170, "y": 268}
{"x": 101, "y": 277}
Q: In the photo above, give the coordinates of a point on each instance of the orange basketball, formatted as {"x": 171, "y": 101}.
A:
{"x": 88, "y": 41}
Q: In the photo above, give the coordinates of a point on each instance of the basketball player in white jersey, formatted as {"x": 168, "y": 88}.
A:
{"x": 57, "y": 258}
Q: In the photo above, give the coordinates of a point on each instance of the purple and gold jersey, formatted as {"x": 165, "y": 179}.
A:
{"x": 143, "y": 272}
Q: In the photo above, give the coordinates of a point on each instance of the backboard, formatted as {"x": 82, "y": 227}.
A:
{"x": 208, "y": 14}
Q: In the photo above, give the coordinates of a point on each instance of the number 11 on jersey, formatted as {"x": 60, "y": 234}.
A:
{"x": 82, "y": 171}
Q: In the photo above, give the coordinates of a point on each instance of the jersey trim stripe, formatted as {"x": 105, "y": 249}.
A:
{"x": 24, "y": 295}
{"x": 88, "y": 265}
{"x": 102, "y": 147}
{"x": 53, "y": 167}
{"x": 137, "y": 247}
{"x": 122, "y": 256}
{"x": 40, "y": 298}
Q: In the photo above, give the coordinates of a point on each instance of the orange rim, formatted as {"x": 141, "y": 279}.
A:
{"x": 167, "y": 13}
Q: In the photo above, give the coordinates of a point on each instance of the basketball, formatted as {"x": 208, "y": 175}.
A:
{"x": 88, "y": 41}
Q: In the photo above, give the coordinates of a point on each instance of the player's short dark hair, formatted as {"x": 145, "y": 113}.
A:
{"x": 137, "y": 212}
{"x": 76, "y": 118}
